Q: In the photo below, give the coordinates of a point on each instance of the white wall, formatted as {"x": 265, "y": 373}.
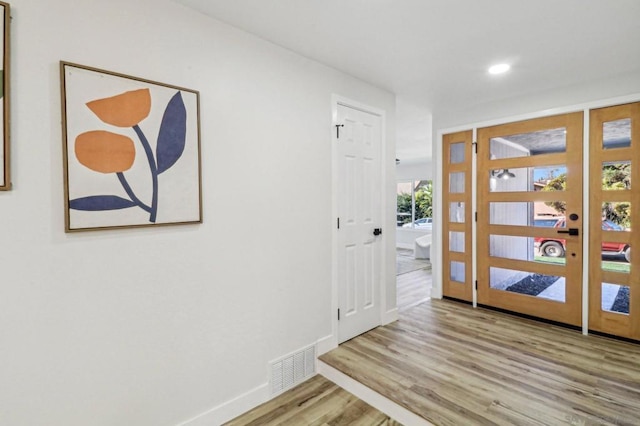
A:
{"x": 414, "y": 169}
{"x": 561, "y": 97}
{"x": 156, "y": 326}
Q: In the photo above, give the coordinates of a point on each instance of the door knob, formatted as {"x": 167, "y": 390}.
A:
{"x": 377, "y": 231}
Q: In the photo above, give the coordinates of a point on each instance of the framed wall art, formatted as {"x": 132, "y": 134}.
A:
{"x": 5, "y": 18}
{"x": 131, "y": 151}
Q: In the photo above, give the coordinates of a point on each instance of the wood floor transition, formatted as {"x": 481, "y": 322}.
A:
{"x": 316, "y": 402}
{"x": 455, "y": 365}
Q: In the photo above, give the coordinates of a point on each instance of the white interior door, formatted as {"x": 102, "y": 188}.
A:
{"x": 358, "y": 139}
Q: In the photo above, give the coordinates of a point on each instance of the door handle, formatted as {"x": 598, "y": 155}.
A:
{"x": 377, "y": 231}
{"x": 570, "y": 231}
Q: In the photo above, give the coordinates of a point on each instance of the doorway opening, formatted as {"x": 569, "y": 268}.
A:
{"x": 414, "y": 223}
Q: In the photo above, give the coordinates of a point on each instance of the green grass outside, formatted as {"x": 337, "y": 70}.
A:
{"x": 545, "y": 259}
{"x": 606, "y": 265}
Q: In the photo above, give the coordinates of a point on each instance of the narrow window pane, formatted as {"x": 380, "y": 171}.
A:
{"x": 616, "y": 216}
{"x": 616, "y": 176}
{"x": 456, "y": 272}
{"x": 456, "y": 212}
{"x": 616, "y": 134}
{"x": 615, "y": 298}
{"x": 456, "y": 241}
{"x": 616, "y": 257}
{"x": 456, "y": 183}
{"x": 528, "y": 144}
{"x": 528, "y": 283}
{"x": 456, "y": 153}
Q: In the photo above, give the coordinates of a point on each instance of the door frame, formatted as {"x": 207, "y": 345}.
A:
{"x": 388, "y": 310}
{"x": 438, "y": 155}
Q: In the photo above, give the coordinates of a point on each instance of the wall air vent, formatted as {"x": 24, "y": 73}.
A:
{"x": 292, "y": 370}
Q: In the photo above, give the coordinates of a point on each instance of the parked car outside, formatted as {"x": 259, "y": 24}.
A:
{"x": 424, "y": 223}
{"x": 556, "y": 247}
{"x": 402, "y": 218}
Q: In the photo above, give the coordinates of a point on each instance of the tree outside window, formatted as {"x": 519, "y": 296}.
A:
{"x": 414, "y": 201}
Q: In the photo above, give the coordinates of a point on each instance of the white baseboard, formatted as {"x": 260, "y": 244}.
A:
{"x": 326, "y": 344}
{"x": 231, "y": 409}
{"x": 390, "y": 316}
{"x": 436, "y": 293}
{"x": 251, "y": 399}
{"x": 371, "y": 397}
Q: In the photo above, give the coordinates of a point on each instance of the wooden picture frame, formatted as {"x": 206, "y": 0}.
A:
{"x": 5, "y": 153}
{"x": 131, "y": 151}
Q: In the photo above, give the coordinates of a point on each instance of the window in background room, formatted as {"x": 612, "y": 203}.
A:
{"x": 414, "y": 204}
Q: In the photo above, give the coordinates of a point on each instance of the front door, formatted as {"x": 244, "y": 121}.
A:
{"x": 614, "y": 276}
{"x": 358, "y": 146}
{"x": 529, "y": 231}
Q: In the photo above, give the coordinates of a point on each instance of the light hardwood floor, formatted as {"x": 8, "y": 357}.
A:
{"x": 315, "y": 402}
{"x": 319, "y": 401}
{"x": 454, "y": 365}
{"x": 413, "y": 279}
{"x": 413, "y": 288}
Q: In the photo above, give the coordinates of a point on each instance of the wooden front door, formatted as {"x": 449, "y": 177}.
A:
{"x": 529, "y": 230}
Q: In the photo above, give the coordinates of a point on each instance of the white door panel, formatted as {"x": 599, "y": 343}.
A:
{"x": 359, "y": 210}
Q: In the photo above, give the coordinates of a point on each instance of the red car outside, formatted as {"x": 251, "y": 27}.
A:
{"x": 555, "y": 247}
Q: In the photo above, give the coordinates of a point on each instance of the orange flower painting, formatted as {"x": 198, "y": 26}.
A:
{"x": 107, "y": 152}
{"x": 132, "y": 151}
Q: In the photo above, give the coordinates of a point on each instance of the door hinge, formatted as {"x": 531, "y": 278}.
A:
{"x": 475, "y": 147}
{"x": 476, "y": 216}
{"x": 338, "y": 130}
{"x": 476, "y": 285}
{"x": 338, "y": 314}
{"x": 338, "y": 223}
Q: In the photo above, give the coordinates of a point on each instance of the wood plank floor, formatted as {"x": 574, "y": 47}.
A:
{"x": 413, "y": 288}
{"x": 315, "y": 402}
{"x": 319, "y": 401}
{"x": 454, "y": 365}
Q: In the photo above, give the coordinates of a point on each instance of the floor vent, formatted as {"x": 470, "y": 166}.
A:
{"x": 292, "y": 370}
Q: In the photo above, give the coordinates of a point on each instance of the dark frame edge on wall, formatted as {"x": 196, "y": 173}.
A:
{"x": 6, "y": 184}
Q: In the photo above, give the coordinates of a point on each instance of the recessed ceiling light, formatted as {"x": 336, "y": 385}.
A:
{"x": 499, "y": 69}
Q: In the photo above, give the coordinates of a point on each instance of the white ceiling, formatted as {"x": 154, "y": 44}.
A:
{"x": 434, "y": 54}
